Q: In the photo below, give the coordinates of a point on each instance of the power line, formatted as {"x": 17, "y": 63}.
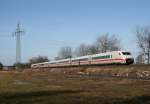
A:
{"x": 3, "y": 36}
{"x": 63, "y": 42}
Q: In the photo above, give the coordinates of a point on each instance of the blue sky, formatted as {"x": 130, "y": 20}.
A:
{"x": 51, "y": 24}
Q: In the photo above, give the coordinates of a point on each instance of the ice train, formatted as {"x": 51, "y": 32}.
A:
{"x": 114, "y": 57}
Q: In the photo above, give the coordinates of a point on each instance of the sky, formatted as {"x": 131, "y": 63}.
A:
{"x": 51, "y": 24}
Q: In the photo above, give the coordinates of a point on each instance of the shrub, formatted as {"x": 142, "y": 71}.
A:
{"x": 1, "y": 66}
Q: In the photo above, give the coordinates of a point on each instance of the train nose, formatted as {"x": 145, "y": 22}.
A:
{"x": 129, "y": 61}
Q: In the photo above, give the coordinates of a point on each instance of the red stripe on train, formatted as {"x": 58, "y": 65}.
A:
{"x": 103, "y": 60}
{"x": 98, "y": 60}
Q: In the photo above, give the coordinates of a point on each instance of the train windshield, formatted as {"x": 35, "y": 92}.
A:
{"x": 126, "y": 53}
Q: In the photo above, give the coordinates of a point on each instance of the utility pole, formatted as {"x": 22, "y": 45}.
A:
{"x": 148, "y": 62}
{"x": 17, "y": 34}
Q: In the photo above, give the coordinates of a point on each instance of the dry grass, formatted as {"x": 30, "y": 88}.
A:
{"x": 47, "y": 88}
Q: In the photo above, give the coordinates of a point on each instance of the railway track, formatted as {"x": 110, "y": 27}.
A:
{"x": 101, "y": 66}
{"x": 140, "y": 72}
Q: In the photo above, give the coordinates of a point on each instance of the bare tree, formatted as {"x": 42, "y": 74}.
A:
{"x": 57, "y": 58}
{"x": 107, "y": 43}
{"x": 65, "y": 52}
{"x": 82, "y": 50}
{"x": 103, "y": 43}
{"x": 140, "y": 59}
{"x": 92, "y": 49}
{"x": 38, "y": 59}
{"x": 143, "y": 40}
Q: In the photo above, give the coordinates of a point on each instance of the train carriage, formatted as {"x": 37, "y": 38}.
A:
{"x": 114, "y": 57}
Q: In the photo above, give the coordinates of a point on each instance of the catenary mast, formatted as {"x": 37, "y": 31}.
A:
{"x": 17, "y": 34}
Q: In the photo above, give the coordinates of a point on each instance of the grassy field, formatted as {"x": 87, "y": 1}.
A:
{"x": 46, "y": 88}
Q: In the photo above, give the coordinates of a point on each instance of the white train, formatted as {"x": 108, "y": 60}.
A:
{"x": 114, "y": 57}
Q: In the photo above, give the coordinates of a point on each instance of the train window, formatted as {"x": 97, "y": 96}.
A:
{"x": 126, "y": 53}
{"x": 101, "y": 57}
{"x": 41, "y": 64}
{"x": 75, "y": 60}
{"x": 63, "y": 62}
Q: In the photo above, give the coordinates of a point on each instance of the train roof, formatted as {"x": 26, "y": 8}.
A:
{"x": 81, "y": 57}
{"x": 57, "y": 61}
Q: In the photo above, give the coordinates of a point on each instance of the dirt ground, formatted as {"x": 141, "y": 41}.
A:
{"x": 45, "y": 87}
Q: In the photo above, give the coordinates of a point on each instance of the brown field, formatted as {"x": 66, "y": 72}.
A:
{"x": 43, "y": 87}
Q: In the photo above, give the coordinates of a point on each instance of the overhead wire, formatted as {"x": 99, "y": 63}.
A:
{"x": 5, "y": 36}
{"x": 52, "y": 42}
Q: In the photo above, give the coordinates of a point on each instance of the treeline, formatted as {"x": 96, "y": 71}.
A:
{"x": 107, "y": 42}
{"x": 33, "y": 60}
{"x": 103, "y": 43}
{"x": 26, "y": 65}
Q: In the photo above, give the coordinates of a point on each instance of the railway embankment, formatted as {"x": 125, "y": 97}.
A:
{"x": 129, "y": 71}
